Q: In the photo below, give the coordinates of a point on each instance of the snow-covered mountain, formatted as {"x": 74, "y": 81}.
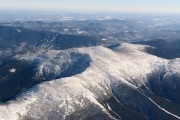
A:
{"x": 93, "y": 83}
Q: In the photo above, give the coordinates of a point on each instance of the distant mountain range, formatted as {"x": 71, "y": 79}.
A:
{"x": 16, "y": 40}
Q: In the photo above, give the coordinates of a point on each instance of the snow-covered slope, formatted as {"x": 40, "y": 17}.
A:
{"x": 123, "y": 83}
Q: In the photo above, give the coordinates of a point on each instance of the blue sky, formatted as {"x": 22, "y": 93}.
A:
{"x": 100, "y": 5}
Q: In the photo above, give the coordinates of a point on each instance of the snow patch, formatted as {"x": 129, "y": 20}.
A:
{"x": 66, "y": 29}
{"x": 164, "y": 109}
{"x": 12, "y": 70}
{"x": 80, "y": 32}
{"x": 18, "y": 30}
{"x": 103, "y": 39}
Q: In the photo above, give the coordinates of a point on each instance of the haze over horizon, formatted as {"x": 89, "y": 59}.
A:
{"x": 162, "y": 6}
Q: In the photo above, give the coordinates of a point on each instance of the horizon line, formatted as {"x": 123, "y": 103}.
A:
{"x": 85, "y": 10}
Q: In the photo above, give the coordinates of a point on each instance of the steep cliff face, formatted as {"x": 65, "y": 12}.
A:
{"x": 123, "y": 82}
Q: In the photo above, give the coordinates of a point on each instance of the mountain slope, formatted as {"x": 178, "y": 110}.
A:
{"x": 123, "y": 83}
{"x": 165, "y": 49}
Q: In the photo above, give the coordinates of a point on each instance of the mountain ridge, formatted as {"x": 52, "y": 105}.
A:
{"x": 119, "y": 77}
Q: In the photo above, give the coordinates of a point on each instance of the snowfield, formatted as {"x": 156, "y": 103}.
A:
{"x": 104, "y": 74}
